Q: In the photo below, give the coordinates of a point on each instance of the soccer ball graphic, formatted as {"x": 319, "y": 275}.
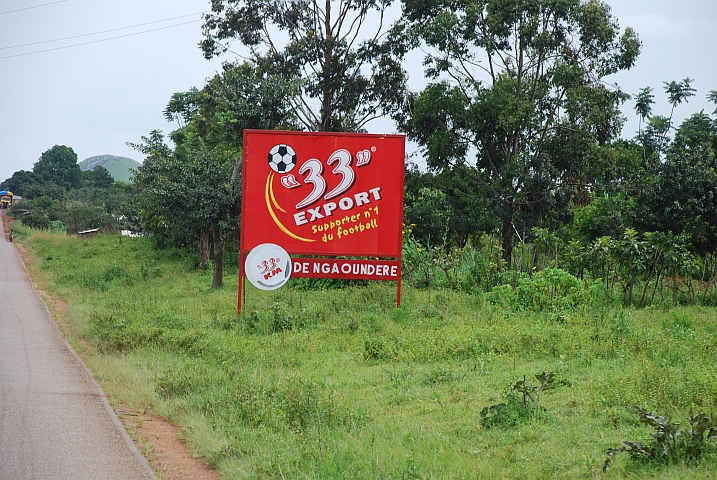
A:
{"x": 282, "y": 158}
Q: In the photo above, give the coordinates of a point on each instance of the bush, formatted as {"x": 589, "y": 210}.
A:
{"x": 35, "y": 220}
{"x": 550, "y": 290}
{"x": 670, "y": 441}
{"x": 83, "y": 217}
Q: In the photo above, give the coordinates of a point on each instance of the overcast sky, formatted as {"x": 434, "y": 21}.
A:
{"x": 96, "y": 97}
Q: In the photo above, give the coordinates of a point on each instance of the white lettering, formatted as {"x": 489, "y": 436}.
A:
{"x": 328, "y": 208}
{"x": 361, "y": 198}
{"x": 300, "y": 218}
{"x": 346, "y": 203}
{"x": 394, "y": 271}
{"x": 346, "y": 268}
{"x": 315, "y": 213}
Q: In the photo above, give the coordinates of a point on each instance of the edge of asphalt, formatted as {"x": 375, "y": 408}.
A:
{"x": 105, "y": 401}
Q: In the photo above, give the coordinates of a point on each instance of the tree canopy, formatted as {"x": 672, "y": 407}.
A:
{"x": 58, "y": 165}
{"x": 193, "y": 190}
{"x": 343, "y": 59}
{"x": 517, "y": 103}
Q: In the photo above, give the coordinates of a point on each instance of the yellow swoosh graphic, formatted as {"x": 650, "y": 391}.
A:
{"x": 269, "y": 192}
{"x": 273, "y": 198}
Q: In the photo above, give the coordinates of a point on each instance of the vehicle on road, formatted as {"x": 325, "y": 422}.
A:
{"x": 5, "y": 199}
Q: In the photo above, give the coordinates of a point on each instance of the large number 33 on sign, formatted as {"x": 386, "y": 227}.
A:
{"x": 315, "y": 177}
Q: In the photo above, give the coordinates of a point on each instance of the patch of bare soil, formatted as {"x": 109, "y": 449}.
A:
{"x": 6, "y": 224}
{"x": 161, "y": 445}
{"x": 158, "y": 439}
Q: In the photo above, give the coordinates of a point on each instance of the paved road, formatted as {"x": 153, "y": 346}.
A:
{"x": 55, "y": 421}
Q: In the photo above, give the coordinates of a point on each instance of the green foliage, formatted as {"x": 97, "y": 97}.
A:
{"x": 345, "y": 68}
{"x": 47, "y": 206}
{"x": 99, "y": 177}
{"x": 635, "y": 270}
{"x": 342, "y": 384}
{"x": 679, "y": 92}
{"x": 551, "y": 290}
{"x": 519, "y": 134}
{"x": 243, "y": 97}
{"x": 80, "y": 217}
{"x": 522, "y": 403}
{"x": 21, "y": 183}
{"x": 58, "y": 166}
{"x": 605, "y": 216}
{"x": 38, "y": 221}
{"x": 417, "y": 259}
{"x": 682, "y": 200}
{"x": 429, "y": 215}
{"x": 712, "y": 97}
{"x": 670, "y": 442}
{"x": 643, "y": 103}
{"x": 179, "y": 195}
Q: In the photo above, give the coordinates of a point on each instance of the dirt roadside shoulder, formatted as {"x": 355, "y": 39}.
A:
{"x": 158, "y": 439}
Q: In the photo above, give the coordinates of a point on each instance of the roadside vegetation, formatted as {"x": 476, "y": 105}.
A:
{"x": 560, "y": 280}
{"x": 339, "y": 383}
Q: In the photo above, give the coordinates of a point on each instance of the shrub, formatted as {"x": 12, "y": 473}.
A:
{"x": 670, "y": 442}
{"x": 552, "y": 289}
{"x": 35, "y": 220}
{"x": 522, "y": 402}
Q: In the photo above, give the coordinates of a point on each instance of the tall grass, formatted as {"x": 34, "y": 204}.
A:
{"x": 342, "y": 384}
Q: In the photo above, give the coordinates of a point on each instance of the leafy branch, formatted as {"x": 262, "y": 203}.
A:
{"x": 670, "y": 442}
{"x": 522, "y": 401}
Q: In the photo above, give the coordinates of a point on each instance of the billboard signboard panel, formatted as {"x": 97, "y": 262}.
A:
{"x": 324, "y": 194}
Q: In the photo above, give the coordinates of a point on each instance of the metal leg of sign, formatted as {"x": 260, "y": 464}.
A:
{"x": 239, "y": 296}
{"x": 243, "y": 292}
{"x": 398, "y": 293}
{"x": 241, "y": 289}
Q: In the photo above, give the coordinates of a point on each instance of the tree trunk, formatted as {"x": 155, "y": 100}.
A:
{"x": 203, "y": 248}
{"x": 507, "y": 243}
{"x": 218, "y": 258}
{"x": 235, "y": 172}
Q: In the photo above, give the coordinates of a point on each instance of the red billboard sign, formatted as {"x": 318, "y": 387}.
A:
{"x": 324, "y": 194}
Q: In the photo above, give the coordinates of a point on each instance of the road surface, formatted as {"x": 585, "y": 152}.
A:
{"x": 55, "y": 421}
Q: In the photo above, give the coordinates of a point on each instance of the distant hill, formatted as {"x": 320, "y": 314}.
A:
{"x": 119, "y": 167}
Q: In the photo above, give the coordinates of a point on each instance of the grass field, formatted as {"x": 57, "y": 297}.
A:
{"x": 330, "y": 384}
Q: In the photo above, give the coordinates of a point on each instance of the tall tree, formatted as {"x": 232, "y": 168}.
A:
{"x": 712, "y": 97}
{"x": 342, "y": 55}
{"x": 677, "y": 92}
{"x": 20, "y": 182}
{"x": 518, "y": 103}
{"x": 99, "y": 177}
{"x": 684, "y": 197}
{"x": 191, "y": 192}
{"x": 643, "y": 107}
{"x": 58, "y": 166}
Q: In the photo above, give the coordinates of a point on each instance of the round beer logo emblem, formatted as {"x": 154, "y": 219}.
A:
{"x": 268, "y": 266}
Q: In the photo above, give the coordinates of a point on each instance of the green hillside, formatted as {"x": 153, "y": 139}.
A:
{"x": 119, "y": 167}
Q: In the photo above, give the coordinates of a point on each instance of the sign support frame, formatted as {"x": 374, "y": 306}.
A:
{"x": 389, "y": 148}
